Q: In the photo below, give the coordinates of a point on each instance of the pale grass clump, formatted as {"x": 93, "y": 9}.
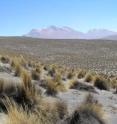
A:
{"x": 101, "y": 83}
{"x": 5, "y": 59}
{"x": 22, "y": 61}
{"x": 35, "y": 73}
{"x": 89, "y": 111}
{"x": 31, "y": 92}
{"x": 8, "y": 87}
{"x": 57, "y": 77}
{"x": 53, "y": 106}
{"x": 49, "y": 110}
{"x": 52, "y": 71}
{"x": 89, "y": 77}
{"x": 81, "y": 74}
{"x": 26, "y": 78}
{"x": 18, "y": 69}
{"x": 16, "y": 65}
{"x": 114, "y": 82}
{"x": 1, "y": 84}
{"x": 17, "y": 115}
{"x": 18, "y": 61}
{"x": 53, "y": 87}
{"x": 70, "y": 84}
{"x": 71, "y": 75}
{"x": 14, "y": 61}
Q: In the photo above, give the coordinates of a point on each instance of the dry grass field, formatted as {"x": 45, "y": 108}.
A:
{"x": 36, "y": 92}
{"x": 96, "y": 55}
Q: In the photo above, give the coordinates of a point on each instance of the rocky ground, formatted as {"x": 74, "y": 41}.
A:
{"x": 96, "y": 55}
{"x": 72, "y": 97}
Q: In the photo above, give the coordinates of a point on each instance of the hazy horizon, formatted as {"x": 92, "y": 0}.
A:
{"x": 20, "y": 16}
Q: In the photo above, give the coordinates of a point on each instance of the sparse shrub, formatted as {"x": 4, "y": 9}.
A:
{"x": 101, "y": 83}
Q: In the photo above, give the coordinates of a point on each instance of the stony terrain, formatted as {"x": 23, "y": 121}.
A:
{"x": 72, "y": 97}
{"x": 98, "y": 55}
{"x": 59, "y": 83}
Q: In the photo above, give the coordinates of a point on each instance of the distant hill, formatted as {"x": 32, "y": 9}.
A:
{"x": 112, "y": 37}
{"x": 54, "y": 32}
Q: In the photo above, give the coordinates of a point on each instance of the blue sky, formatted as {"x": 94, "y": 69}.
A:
{"x": 18, "y": 17}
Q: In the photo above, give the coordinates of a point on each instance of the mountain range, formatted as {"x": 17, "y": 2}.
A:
{"x": 54, "y": 32}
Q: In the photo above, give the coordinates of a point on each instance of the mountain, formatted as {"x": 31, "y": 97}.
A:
{"x": 112, "y": 37}
{"x": 99, "y": 33}
{"x": 54, "y": 32}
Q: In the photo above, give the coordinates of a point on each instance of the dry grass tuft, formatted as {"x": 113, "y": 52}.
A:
{"x": 88, "y": 113}
{"x": 17, "y": 115}
{"x": 35, "y": 74}
{"x": 101, "y": 83}
{"x": 53, "y": 87}
{"x": 88, "y": 78}
{"x": 18, "y": 70}
{"x": 54, "y": 106}
{"x": 26, "y": 78}
{"x": 81, "y": 74}
{"x": 70, "y": 75}
{"x": 4, "y": 59}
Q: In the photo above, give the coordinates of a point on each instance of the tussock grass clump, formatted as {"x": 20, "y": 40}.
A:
{"x": 48, "y": 111}
{"x": 9, "y": 87}
{"x": 114, "y": 82}
{"x": 31, "y": 93}
{"x": 57, "y": 77}
{"x": 89, "y": 99}
{"x": 4, "y": 59}
{"x": 70, "y": 75}
{"x": 87, "y": 114}
{"x": 71, "y": 84}
{"x": 14, "y": 62}
{"x": 18, "y": 70}
{"x": 46, "y": 67}
{"x": 26, "y": 78}
{"x": 1, "y": 85}
{"x": 53, "y": 87}
{"x": 88, "y": 77}
{"x": 53, "y": 105}
{"x": 101, "y": 83}
{"x": 52, "y": 71}
{"x": 35, "y": 74}
{"x": 17, "y": 115}
{"x": 90, "y": 112}
{"x": 81, "y": 74}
